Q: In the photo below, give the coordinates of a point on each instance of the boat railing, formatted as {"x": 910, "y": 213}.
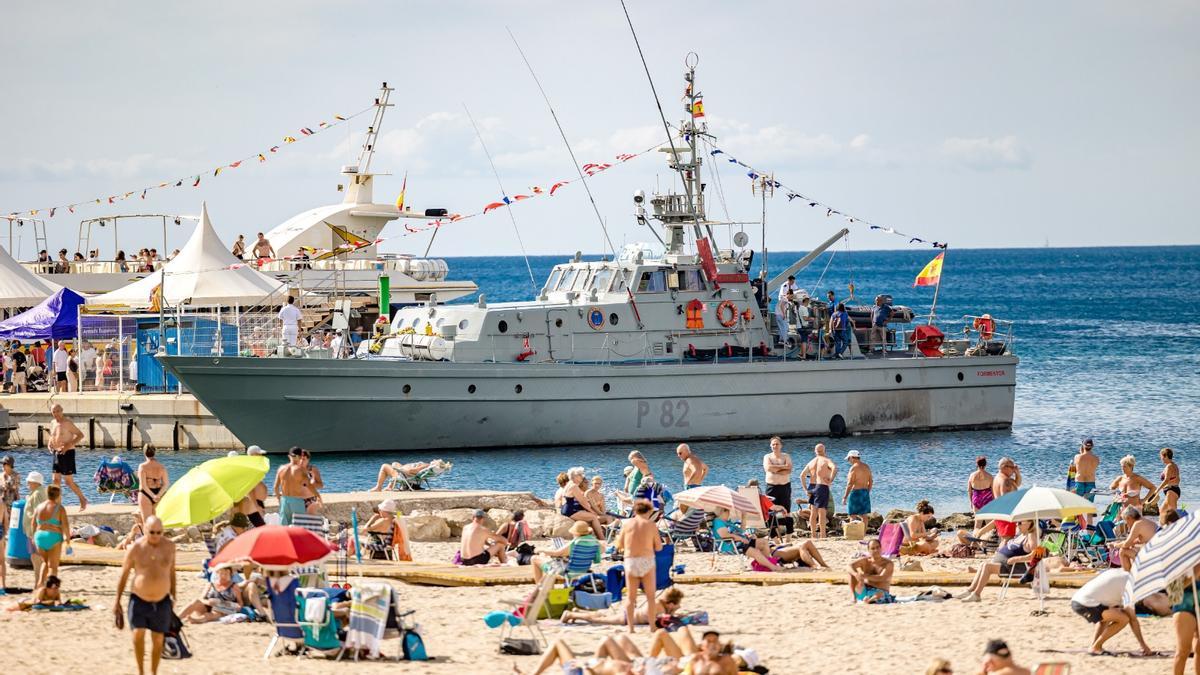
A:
{"x": 420, "y": 269}
{"x": 90, "y": 267}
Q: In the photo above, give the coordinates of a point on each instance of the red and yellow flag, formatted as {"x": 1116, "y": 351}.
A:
{"x": 931, "y": 274}
{"x": 698, "y": 109}
{"x": 403, "y": 189}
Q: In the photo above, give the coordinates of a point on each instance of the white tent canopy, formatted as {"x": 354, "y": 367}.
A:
{"x": 19, "y": 287}
{"x": 204, "y": 273}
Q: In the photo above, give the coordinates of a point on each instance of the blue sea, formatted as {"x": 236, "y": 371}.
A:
{"x": 1109, "y": 341}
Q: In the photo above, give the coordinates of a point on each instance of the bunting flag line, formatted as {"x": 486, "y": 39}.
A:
{"x": 755, "y": 174}
{"x": 194, "y": 178}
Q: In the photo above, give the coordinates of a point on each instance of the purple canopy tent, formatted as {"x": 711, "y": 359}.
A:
{"x": 54, "y": 318}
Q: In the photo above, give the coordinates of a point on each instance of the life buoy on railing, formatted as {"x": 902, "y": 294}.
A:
{"x": 727, "y": 313}
{"x": 986, "y": 326}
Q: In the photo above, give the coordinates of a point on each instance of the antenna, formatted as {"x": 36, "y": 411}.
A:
{"x": 507, "y": 205}
{"x": 562, "y": 133}
{"x": 368, "y": 148}
{"x": 765, "y": 187}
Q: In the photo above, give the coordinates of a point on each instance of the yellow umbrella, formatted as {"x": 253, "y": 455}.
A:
{"x": 210, "y": 489}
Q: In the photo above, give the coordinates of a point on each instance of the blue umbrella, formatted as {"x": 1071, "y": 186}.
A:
{"x": 1170, "y": 554}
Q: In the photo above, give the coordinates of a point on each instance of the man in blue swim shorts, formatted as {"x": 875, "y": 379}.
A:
{"x": 818, "y": 475}
{"x": 291, "y": 480}
{"x": 859, "y": 482}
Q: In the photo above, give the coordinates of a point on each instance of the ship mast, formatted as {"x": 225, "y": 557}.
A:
{"x": 675, "y": 210}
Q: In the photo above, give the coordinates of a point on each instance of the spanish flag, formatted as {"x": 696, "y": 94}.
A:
{"x": 698, "y": 109}
{"x": 403, "y": 187}
{"x": 931, "y": 274}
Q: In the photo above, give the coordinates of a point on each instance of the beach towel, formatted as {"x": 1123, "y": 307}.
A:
{"x": 369, "y": 607}
{"x": 68, "y": 606}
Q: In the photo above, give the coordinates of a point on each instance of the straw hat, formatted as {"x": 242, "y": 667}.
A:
{"x": 580, "y": 528}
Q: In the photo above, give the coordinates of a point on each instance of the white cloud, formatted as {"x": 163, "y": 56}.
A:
{"x": 860, "y": 142}
{"x": 986, "y": 154}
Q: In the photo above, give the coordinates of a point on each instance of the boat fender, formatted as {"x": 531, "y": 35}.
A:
{"x": 691, "y": 350}
{"x": 748, "y": 315}
{"x": 728, "y": 350}
{"x": 727, "y": 313}
{"x": 986, "y": 326}
{"x": 762, "y": 349}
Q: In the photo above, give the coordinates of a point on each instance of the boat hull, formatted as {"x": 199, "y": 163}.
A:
{"x": 356, "y": 405}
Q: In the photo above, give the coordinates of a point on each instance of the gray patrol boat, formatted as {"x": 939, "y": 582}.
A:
{"x": 672, "y": 347}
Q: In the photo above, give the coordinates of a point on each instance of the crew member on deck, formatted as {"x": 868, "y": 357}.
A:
{"x": 289, "y": 315}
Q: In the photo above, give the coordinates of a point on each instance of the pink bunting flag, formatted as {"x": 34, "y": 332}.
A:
{"x": 492, "y": 206}
{"x": 554, "y": 188}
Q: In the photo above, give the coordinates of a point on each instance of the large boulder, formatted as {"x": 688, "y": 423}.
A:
{"x": 499, "y": 516}
{"x": 459, "y": 518}
{"x": 873, "y": 521}
{"x": 897, "y": 515}
{"x": 957, "y": 521}
{"x": 546, "y": 524}
{"x": 427, "y": 528}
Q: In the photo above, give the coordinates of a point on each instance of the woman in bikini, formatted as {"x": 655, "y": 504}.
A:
{"x": 153, "y": 479}
{"x": 920, "y": 541}
{"x": 312, "y": 502}
{"x": 1011, "y": 559}
{"x": 1129, "y": 484}
{"x": 50, "y": 528}
{"x": 1169, "y": 487}
{"x": 222, "y": 598}
{"x": 576, "y": 505}
{"x": 979, "y": 487}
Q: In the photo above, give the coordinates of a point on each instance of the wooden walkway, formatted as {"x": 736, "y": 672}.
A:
{"x": 445, "y": 574}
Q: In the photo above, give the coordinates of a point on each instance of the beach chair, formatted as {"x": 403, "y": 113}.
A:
{"x": 529, "y": 608}
{"x": 686, "y": 528}
{"x": 314, "y": 615}
{"x": 420, "y": 481}
{"x": 891, "y": 537}
{"x": 116, "y": 477}
{"x": 583, "y": 556}
{"x": 283, "y": 615}
{"x": 375, "y": 617}
{"x": 312, "y": 576}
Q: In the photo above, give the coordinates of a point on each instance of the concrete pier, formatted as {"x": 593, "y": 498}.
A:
{"x": 121, "y": 420}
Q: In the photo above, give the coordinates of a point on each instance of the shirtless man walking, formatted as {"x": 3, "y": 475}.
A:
{"x": 817, "y": 478}
{"x": 151, "y": 559}
{"x": 859, "y": 482}
{"x": 64, "y": 436}
{"x": 694, "y": 468}
{"x": 153, "y": 480}
{"x": 1086, "y": 462}
{"x": 291, "y": 486}
{"x": 1008, "y": 479}
{"x": 639, "y": 540}
{"x": 474, "y": 548}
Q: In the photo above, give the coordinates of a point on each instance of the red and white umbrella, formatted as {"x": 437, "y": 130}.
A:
{"x": 275, "y": 547}
{"x": 713, "y": 497}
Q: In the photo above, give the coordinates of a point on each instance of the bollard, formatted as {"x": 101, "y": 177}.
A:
{"x": 175, "y": 436}
{"x": 129, "y": 435}
{"x": 41, "y": 442}
{"x": 91, "y": 433}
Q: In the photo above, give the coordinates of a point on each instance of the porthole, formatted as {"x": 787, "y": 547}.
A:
{"x": 502, "y": 326}
{"x": 960, "y": 376}
{"x": 407, "y": 389}
{"x": 606, "y": 387}
{"x": 558, "y": 323}
{"x": 612, "y": 318}
{"x": 518, "y": 389}
{"x": 471, "y": 389}
{"x": 462, "y": 325}
{"x": 899, "y": 378}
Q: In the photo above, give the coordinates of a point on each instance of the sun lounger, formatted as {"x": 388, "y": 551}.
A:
{"x": 420, "y": 481}
{"x": 529, "y": 608}
{"x": 686, "y": 528}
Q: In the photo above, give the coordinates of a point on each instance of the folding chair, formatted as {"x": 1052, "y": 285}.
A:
{"x": 283, "y": 615}
{"x": 755, "y": 521}
{"x": 372, "y": 609}
{"x": 420, "y": 481}
{"x": 530, "y": 609}
{"x": 322, "y": 633}
{"x": 686, "y": 528}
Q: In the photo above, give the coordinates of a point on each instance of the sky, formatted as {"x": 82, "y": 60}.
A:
{"x": 979, "y": 124}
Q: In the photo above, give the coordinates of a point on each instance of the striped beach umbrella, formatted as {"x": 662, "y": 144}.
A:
{"x": 712, "y": 497}
{"x": 1034, "y": 503}
{"x": 1170, "y": 554}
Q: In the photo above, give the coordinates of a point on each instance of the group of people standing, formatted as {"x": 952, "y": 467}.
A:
{"x": 66, "y": 368}
{"x": 796, "y": 310}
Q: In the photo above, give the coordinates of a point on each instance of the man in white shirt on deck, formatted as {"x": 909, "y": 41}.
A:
{"x": 289, "y": 315}
{"x": 62, "y": 362}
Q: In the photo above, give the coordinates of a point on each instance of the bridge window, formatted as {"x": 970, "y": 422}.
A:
{"x": 554, "y": 277}
{"x": 581, "y": 280}
{"x": 619, "y": 283}
{"x": 691, "y": 280}
{"x": 600, "y": 280}
{"x": 568, "y": 278}
{"x": 653, "y": 282}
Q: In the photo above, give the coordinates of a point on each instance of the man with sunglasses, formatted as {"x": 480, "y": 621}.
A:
{"x": 151, "y": 559}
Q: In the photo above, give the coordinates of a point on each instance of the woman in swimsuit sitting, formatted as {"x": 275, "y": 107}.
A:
{"x": 1169, "y": 487}
{"x": 153, "y": 479}
{"x": 918, "y": 540}
{"x": 730, "y": 537}
{"x": 575, "y": 502}
{"x": 50, "y": 530}
{"x": 220, "y": 599}
{"x": 668, "y": 602}
{"x": 1011, "y": 559}
{"x": 1129, "y": 484}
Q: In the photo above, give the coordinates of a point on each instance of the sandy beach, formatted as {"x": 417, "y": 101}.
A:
{"x": 796, "y": 628}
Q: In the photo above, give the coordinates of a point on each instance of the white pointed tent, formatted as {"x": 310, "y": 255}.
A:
{"x": 204, "y": 274}
{"x": 19, "y": 287}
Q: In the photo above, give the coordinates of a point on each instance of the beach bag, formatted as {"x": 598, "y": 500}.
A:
{"x": 520, "y": 647}
{"x": 758, "y": 567}
{"x": 413, "y": 646}
{"x": 592, "y": 583}
{"x": 525, "y": 554}
{"x": 615, "y": 581}
{"x": 175, "y": 646}
{"x": 854, "y": 530}
{"x": 704, "y": 542}
{"x": 556, "y": 603}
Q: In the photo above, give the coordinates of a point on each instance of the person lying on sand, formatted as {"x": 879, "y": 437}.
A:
{"x": 668, "y": 602}
{"x": 871, "y": 577}
{"x": 803, "y": 553}
{"x": 710, "y": 657}
{"x": 614, "y": 656}
{"x": 50, "y": 595}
